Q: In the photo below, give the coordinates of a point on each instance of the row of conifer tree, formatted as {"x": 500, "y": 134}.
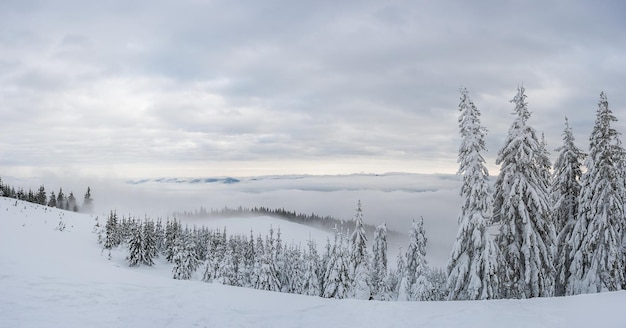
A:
{"x": 59, "y": 200}
{"x": 540, "y": 229}
{"x": 346, "y": 268}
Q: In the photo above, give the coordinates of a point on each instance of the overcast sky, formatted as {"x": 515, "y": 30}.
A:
{"x": 201, "y": 88}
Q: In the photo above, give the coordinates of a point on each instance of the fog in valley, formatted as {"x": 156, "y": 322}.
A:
{"x": 394, "y": 199}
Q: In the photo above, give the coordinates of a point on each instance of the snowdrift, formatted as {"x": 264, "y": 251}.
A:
{"x": 51, "y": 277}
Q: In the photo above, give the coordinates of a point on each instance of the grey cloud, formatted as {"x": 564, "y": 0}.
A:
{"x": 247, "y": 81}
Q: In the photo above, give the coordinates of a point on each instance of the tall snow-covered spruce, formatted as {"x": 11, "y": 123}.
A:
{"x": 596, "y": 240}
{"x": 414, "y": 284}
{"x": 522, "y": 208}
{"x": 378, "y": 269}
{"x": 472, "y": 270}
{"x": 359, "y": 258}
{"x": 336, "y": 278}
{"x": 565, "y": 191}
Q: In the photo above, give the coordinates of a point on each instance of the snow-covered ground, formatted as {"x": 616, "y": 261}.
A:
{"x": 52, "y": 278}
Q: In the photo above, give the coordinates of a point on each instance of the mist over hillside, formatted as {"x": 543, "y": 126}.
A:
{"x": 392, "y": 198}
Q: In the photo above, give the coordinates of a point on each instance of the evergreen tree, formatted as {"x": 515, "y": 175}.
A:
{"x": 596, "y": 241}
{"x": 259, "y": 255}
{"x": 378, "y": 268}
{"x": 61, "y": 199}
{"x": 437, "y": 278}
{"x": 293, "y": 270}
{"x": 522, "y": 209}
{"x": 543, "y": 160}
{"x": 227, "y": 275}
{"x": 280, "y": 262}
{"x": 71, "y": 203}
{"x": 249, "y": 258}
{"x": 414, "y": 284}
{"x": 324, "y": 264}
{"x": 31, "y": 198}
{"x": 358, "y": 240}
{"x": 52, "y": 202}
{"x": 398, "y": 276}
{"x": 112, "y": 235}
{"x": 268, "y": 273}
{"x": 87, "y": 202}
{"x": 359, "y": 258}
{"x": 159, "y": 235}
{"x": 135, "y": 246}
{"x": 215, "y": 257}
{"x": 473, "y": 262}
{"x": 41, "y": 198}
{"x": 172, "y": 232}
{"x": 310, "y": 280}
{"x": 337, "y": 280}
{"x": 149, "y": 243}
{"x": 185, "y": 259}
{"x": 565, "y": 191}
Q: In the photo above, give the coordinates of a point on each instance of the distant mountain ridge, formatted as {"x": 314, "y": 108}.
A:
{"x": 408, "y": 182}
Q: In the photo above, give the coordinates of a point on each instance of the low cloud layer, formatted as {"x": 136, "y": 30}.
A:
{"x": 198, "y": 88}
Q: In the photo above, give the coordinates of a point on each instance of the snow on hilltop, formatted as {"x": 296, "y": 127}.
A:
{"x": 54, "y": 278}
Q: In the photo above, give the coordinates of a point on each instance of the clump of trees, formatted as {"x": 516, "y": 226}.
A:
{"x": 560, "y": 229}
{"x": 59, "y": 200}
{"x": 346, "y": 268}
{"x": 328, "y": 223}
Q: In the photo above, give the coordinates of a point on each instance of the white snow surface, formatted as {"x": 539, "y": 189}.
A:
{"x": 52, "y": 278}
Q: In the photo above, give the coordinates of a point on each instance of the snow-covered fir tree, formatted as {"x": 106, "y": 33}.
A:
{"x": 438, "y": 279}
{"x": 185, "y": 259}
{"x": 52, "y": 202}
{"x": 359, "y": 258}
{"x": 280, "y": 261}
{"x": 227, "y": 273}
{"x": 149, "y": 243}
{"x": 414, "y": 285}
{"x": 87, "y": 202}
{"x": 268, "y": 273}
{"x": 248, "y": 259}
{"x": 565, "y": 191}
{"x": 259, "y": 254}
{"x": 112, "y": 237}
{"x": 596, "y": 240}
{"x": 293, "y": 270}
{"x": 61, "y": 199}
{"x": 398, "y": 275}
{"x": 215, "y": 257}
{"x": 337, "y": 276}
{"x": 135, "y": 246}
{"x": 378, "y": 268}
{"x": 472, "y": 269}
{"x": 71, "y": 203}
{"x": 41, "y": 197}
{"x": 172, "y": 232}
{"x": 310, "y": 272}
{"x": 522, "y": 208}
{"x": 543, "y": 159}
{"x": 159, "y": 235}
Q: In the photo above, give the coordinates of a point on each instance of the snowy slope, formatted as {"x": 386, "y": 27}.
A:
{"x": 51, "y": 278}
